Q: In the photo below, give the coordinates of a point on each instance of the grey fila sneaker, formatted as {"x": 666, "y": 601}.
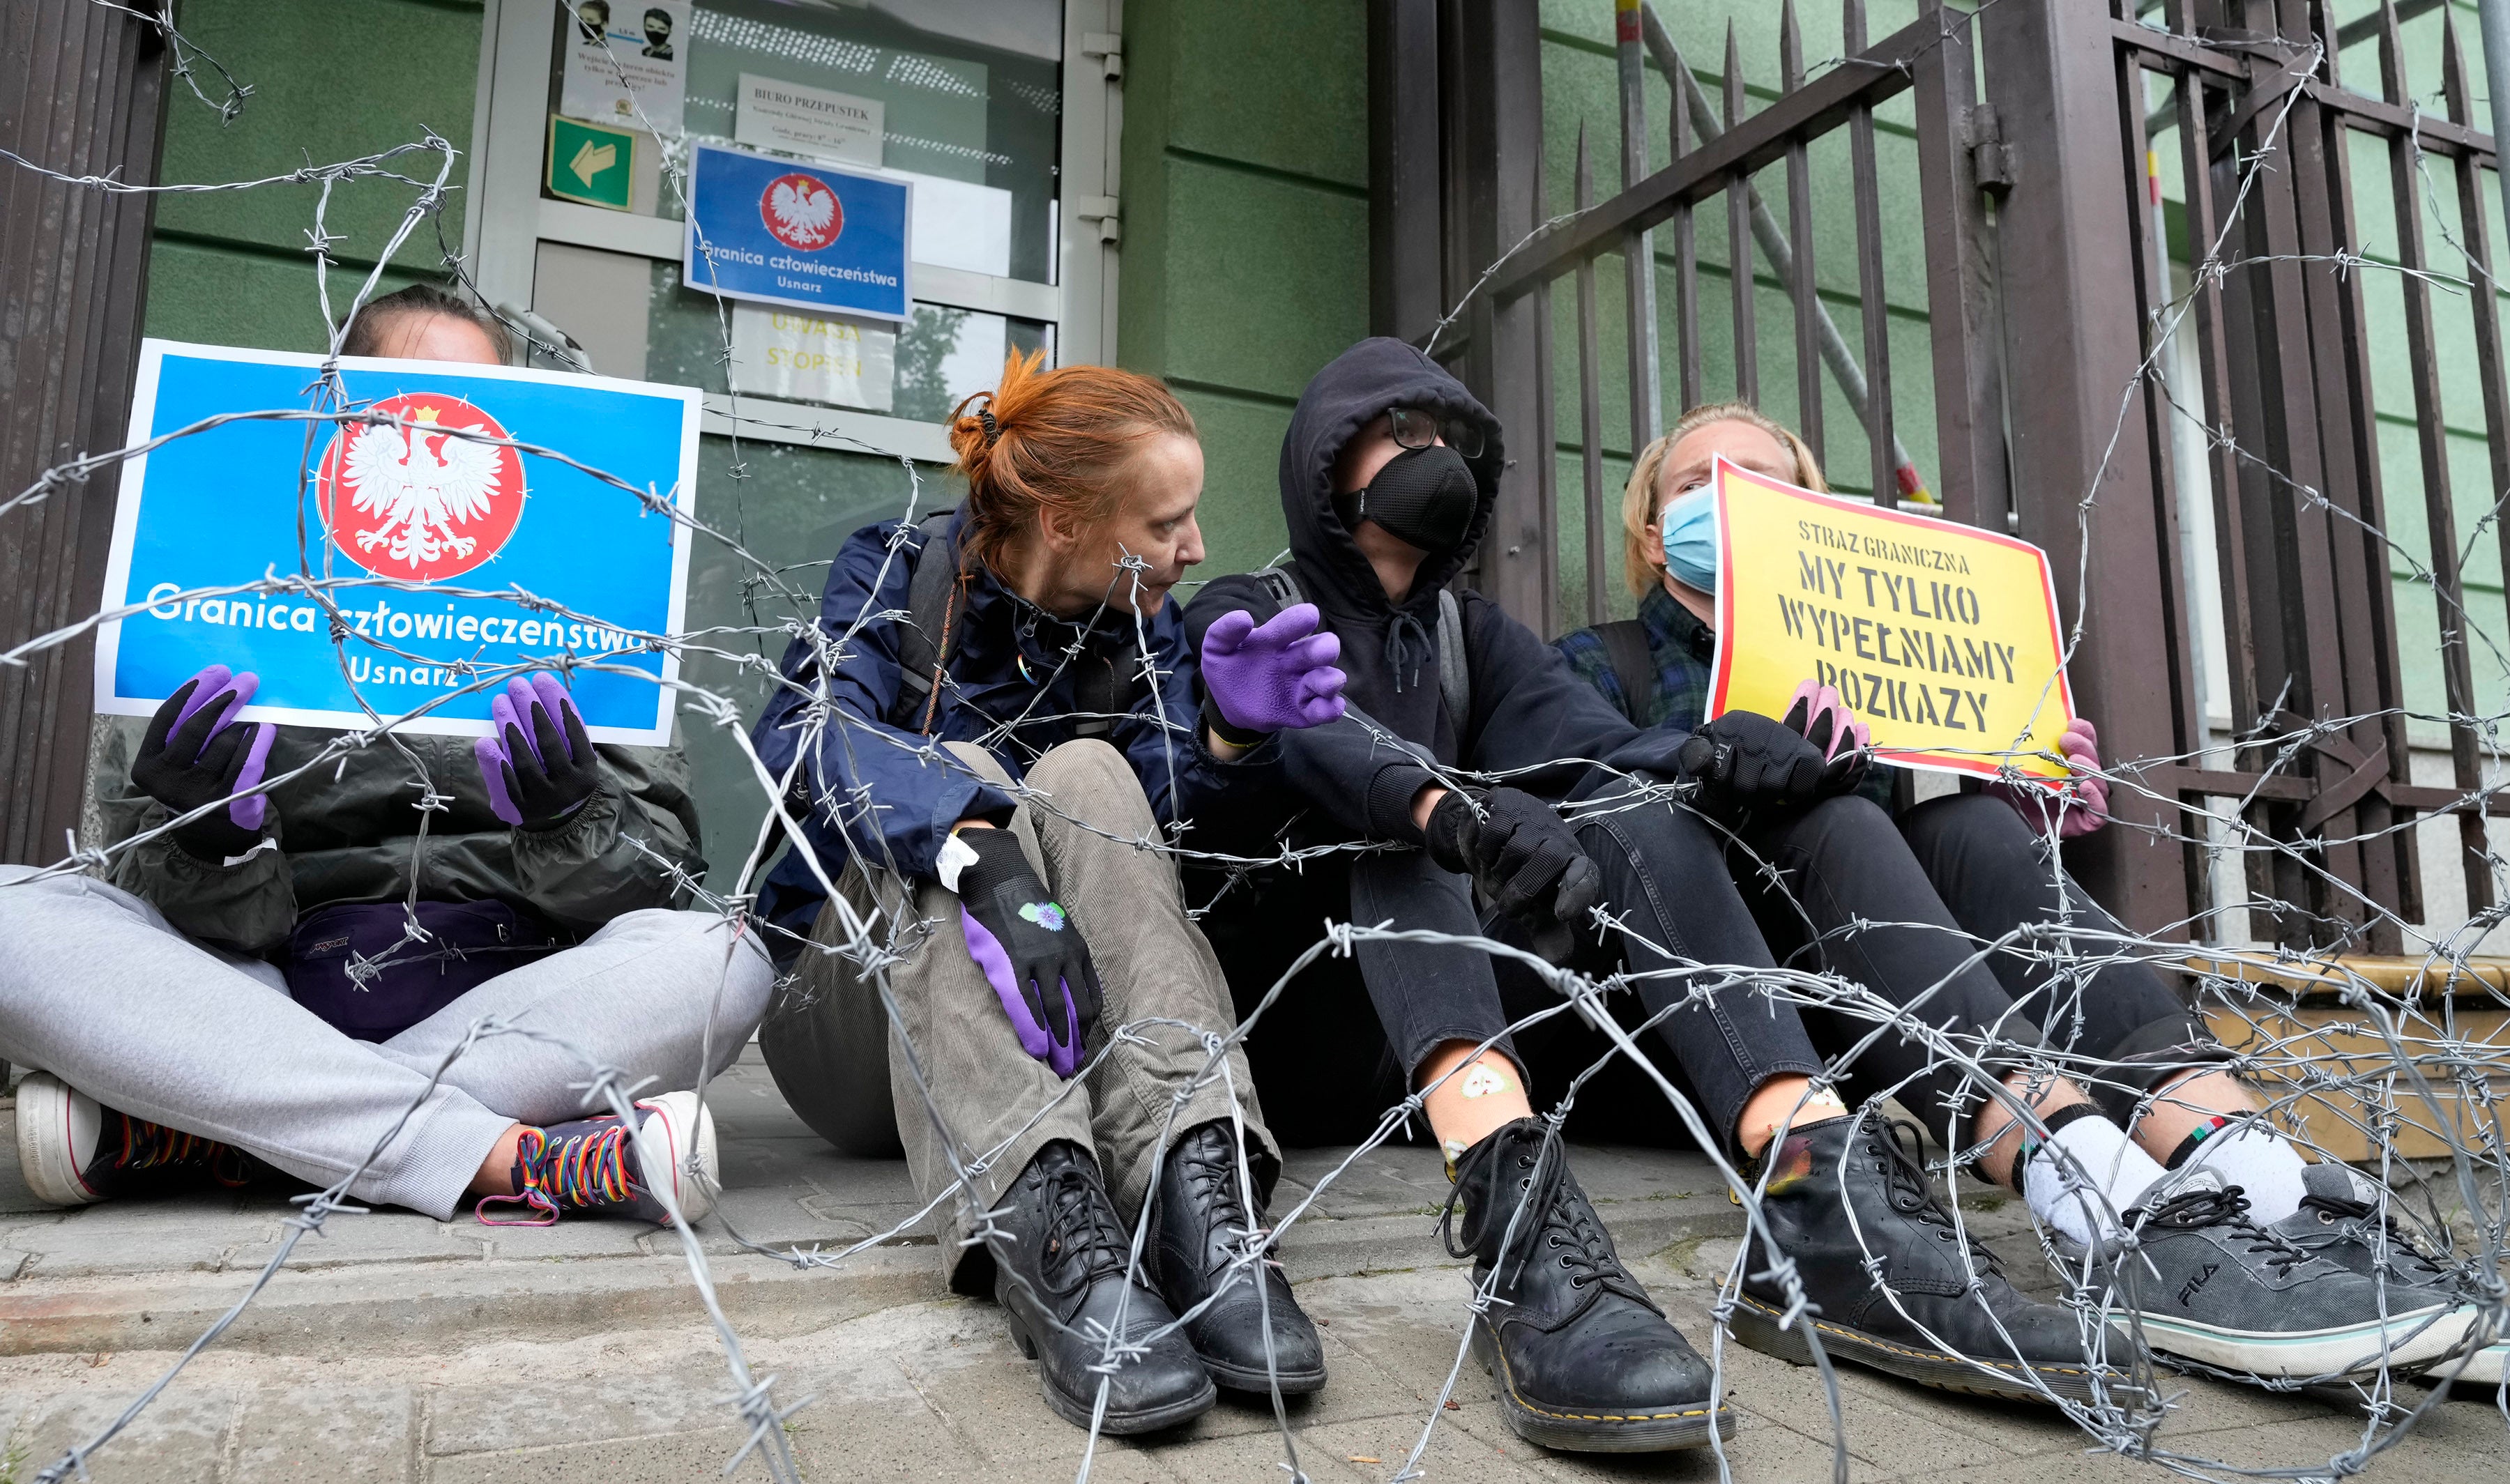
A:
{"x": 2209, "y": 1284}
{"x": 2349, "y": 1219}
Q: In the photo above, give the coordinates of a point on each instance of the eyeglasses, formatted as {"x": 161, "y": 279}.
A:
{"x": 1414, "y": 428}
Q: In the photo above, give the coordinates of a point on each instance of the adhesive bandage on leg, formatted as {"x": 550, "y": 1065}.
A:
{"x": 2080, "y": 1195}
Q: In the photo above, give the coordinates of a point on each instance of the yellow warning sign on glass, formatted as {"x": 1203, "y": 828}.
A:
{"x": 1943, "y": 639}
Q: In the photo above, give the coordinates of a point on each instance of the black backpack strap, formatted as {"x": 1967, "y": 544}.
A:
{"x": 1284, "y": 588}
{"x": 1625, "y": 644}
{"x": 1455, "y": 663}
{"x": 927, "y": 617}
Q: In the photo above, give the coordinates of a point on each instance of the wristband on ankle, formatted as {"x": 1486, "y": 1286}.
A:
{"x": 2186, "y": 1149}
{"x": 2052, "y": 1122}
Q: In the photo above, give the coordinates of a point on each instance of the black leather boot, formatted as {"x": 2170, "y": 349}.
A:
{"x": 1861, "y": 1169}
{"x": 1060, "y": 1279}
{"x": 1200, "y": 1227}
{"x": 1580, "y": 1357}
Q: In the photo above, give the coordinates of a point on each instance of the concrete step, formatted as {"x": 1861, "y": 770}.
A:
{"x": 150, "y": 1275}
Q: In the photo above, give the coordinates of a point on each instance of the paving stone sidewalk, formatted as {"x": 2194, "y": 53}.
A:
{"x": 395, "y": 1348}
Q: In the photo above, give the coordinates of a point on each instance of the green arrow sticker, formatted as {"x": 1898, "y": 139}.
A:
{"x": 590, "y": 164}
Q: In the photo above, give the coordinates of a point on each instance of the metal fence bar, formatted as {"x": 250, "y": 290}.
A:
{"x": 1638, "y": 250}
{"x": 1772, "y": 239}
{"x": 2384, "y": 700}
{"x": 1971, "y": 472}
{"x": 1806, "y": 290}
{"x": 1546, "y": 430}
{"x": 2205, "y": 313}
{"x": 2083, "y": 483}
{"x": 1882, "y": 71}
{"x": 2150, "y": 261}
{"x": 1739, "y": 237}
{"x": 2475, "y": 238}
{"x": 2364, "y": 666}
{"x": 2440, "y": 511}
{"x": 1883, "y": 445}
{"x": 1590, "y": 399}
{"x": 1686, "y": 237}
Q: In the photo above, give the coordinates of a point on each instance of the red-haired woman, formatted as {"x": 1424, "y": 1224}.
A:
{"x": 990, "y": 720}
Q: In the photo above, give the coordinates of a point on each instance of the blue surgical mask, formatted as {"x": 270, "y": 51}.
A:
{"x": 1690, "y": 525}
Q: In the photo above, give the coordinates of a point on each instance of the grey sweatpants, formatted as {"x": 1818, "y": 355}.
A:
{"x": 999, "y": 1105}
{"x": 99, "y": 990}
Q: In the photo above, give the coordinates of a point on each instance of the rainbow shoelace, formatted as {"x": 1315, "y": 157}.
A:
{"x": 154, "y": 1146}
{"x": 585, "y": 1169}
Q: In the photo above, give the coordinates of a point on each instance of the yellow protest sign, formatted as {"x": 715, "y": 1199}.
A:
{"x": 1943, "y": 639}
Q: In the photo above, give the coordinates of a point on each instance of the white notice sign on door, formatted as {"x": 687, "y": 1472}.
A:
{"x": 626, "y": 64}
{"x": 837, "y": 126}
{"x": 782, "y": 353}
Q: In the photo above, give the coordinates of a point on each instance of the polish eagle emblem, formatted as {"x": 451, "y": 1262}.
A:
{"x": 411, "y": 498}
{"x": 801, "y": 212}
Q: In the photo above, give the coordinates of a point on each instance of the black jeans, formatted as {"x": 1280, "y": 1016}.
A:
{"x": 1663, "y": 876}
{"x": 1326, "y": 1073}
{"x": 1339, "y": 1045}
{"x": 1901, "y": 907}
{"x": 1994, "y": 874}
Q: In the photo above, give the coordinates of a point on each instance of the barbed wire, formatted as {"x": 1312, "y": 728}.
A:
{"x": 2428, "y": 1073}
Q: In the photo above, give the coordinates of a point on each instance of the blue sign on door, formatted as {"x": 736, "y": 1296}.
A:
{"x": 779, "y": 231}
{"x": 408, "y": 563}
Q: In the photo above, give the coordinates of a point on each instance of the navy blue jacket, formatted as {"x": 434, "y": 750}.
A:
{"x": 1530, "y": 710}
{"x": 1008, "y": 691}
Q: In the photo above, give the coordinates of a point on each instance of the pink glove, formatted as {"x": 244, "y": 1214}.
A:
{"x": 1817, "y": 711}
{"x": 2077, "y": 807}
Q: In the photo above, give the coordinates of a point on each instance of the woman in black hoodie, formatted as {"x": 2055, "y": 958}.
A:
{"x": 1388, "y": 476}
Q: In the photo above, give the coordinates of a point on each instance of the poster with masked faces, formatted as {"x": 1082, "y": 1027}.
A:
{"x": 1943, "y": 639}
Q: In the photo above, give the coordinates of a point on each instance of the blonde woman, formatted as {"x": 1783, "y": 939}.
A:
{"x": 2162, "y": 1126}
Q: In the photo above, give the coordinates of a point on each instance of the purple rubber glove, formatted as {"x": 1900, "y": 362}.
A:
{"x": 540, "y": 766}
{"x": 2075, "y": 808}
{"x": 1265, "y": 679}
{"x": 193, "y": 755}
{"x": 1030, "y": 950}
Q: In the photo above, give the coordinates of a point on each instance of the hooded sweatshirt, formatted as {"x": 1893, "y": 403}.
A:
{"x": 1529, "y": 710}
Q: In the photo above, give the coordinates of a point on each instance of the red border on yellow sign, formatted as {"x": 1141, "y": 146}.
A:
{"x": 2061, "y": 701}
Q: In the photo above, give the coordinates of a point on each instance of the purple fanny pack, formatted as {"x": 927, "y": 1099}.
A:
{"x": 348, "y": 965}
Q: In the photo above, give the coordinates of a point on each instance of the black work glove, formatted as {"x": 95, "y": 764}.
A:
{"x": 540, "y": 766}
{"x": 191, "y": 755}
{"x": 1522, "y": 855}
{"x": 1027, "y": 945}
{"x": 1743, "y": 759}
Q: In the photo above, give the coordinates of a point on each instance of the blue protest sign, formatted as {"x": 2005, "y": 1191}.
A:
{"x": 405, "y": 529}
{"x": 779, "y": 231}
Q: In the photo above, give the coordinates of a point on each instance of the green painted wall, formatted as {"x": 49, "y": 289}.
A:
{"x": 1245, "y": 255}
{"x": 332, "y": 80}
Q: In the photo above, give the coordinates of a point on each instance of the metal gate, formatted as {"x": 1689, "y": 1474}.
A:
{"x": 2044, "y": 249}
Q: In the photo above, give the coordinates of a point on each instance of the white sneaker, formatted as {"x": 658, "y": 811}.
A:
{"x": 74, "y": 1151}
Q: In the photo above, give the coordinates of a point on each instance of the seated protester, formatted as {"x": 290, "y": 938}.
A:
{"x": 294, "y": 934}
{"x": 1388, "y": 476}
{"x": 2162, "y": 1128}
{"x": 1005, "y": 686}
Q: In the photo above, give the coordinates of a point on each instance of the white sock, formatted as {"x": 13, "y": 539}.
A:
{"x": 2110, "y": 1160}
{"x": 2258, "y": 1160}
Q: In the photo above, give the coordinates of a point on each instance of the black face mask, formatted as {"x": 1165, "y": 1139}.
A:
{"x": 1425, "y": 496}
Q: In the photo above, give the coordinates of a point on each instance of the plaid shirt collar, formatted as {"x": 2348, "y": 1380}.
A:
{"x": 1685, "y": 650}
